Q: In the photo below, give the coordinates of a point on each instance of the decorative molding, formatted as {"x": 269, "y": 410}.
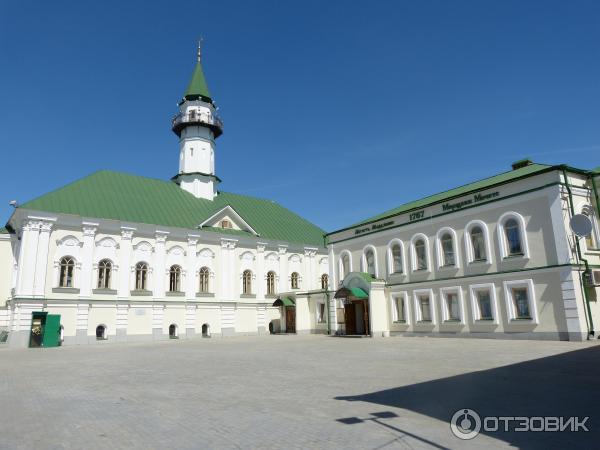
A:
{"x": 161, "y": 237}
{"x": 229, "y": 244}
{"x": 127, "y": 233}
{"x": 282, "y": 249}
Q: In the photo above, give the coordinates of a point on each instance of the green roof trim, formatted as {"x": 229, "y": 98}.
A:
{"x": 129, "y": 198}
{"x": 197, "y": 87}
{"x": 486, "y": 183}
{"x": 358, "y": 292}
{"x": 284, "y": 301}
{"x": 3, "y": 230}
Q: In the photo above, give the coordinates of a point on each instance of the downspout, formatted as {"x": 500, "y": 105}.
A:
{"x": 589, "y": 319}
{"x": 328, "y": 313}
{"x": 595, "y": 189}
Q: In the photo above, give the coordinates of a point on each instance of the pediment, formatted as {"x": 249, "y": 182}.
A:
{"x": 228, "y": 218}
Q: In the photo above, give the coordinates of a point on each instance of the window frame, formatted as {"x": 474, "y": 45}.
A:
{"x": 364, "y": 261}
{"x": 325, "y": 281}
{"x": 510, "y": 303}
{"x": 391, "y": 266}
{"x": 321, "y": 317}
{"x": 589, "y": 211}
{"x": 417, "y": 306}
{"x": 476, "y": 311}
{"x": 341, "y": 272}
{"x": 271, "y": 280}
{"x": 440, "y": 249}
{"x": 446, "y": 311}
{"x": 68, "y": 265}
{"x": 295, "y": 280}
{"x": 413, "y": 253}
{"x": 105, "y": 270}
{"x": 503, "y": 239}
{"x": 469, "y": 249}
{"x": 395, "y": 296}
{"x": 143, "y": 270}
{"x": 247, "y": 282}
{"x": 204, "y": 279}
{"x": 175, "y": 274}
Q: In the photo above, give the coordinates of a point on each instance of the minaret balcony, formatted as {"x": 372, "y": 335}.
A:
{"x": 212, "y": 121}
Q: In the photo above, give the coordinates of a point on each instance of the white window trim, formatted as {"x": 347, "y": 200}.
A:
{"x": 469, "y": 252}
{"x": 341, "y": 273}
{"x": 317, "y": 309}
{"x": 590, "y": 212}
{"x": 440, "y": 252}
{"x": 491, "y": 287}
{"x": 390, "y": 257}
{"x": 413, "y": 253}
{"x": 417, "y": 307}
{"x": 502, "y": 235}
{"x": 510, "y": 307}
{"x": 363, "y": 259}
{"x": 394, "y": 313}
{"x": 461, "y": 309}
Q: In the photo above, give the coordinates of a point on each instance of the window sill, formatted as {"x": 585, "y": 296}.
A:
{"x": 421, "y": 271}
{"x": 521, "y": 319}
{"x": 65, "y": 290}
{"x": 479, "y": 262}
{"x": 484, "y": 321}
{"x": 400, "y": 322}
{"x": 271, "y": 296}
{"x": 141, "y": 293}
{"x": 104, "y": 291}
{"x": 448, "y": 267}
{"x": 452, "y": 321}
{"x": 175, "y": 294}
{"x": 248, "y": 296}
{"x": 204, "y": 294}
{"x": 426, "y": 322}
{"x": 515, "y": 256}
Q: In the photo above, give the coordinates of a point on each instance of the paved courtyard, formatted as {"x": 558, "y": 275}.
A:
{"x": 293, "y": 392}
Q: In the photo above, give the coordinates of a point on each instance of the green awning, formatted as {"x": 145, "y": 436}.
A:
{"x": 358, "y": 293}
{"x": 285, "y": 301}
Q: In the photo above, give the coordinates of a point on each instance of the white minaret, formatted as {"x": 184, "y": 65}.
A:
{"x": 197, "y": 126}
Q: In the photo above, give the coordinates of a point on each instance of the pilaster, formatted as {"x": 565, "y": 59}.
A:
{"x": 87, "y": 256}
{"x": 159, "y": 264}
{"x": 27, "y": 257}
{"x": 283, "y": 274}
{"x": 123, "y": 289}
{"x": 227, "y": 268}
{"x": 260, "y": 270}
{"x": 41, "y": 263}
{"x": 191, "y": 281}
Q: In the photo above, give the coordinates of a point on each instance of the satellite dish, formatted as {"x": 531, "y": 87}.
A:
{"x": 581, "y": 225}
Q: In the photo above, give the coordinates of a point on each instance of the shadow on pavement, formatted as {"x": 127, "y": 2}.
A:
{"x": 562, "y": 385}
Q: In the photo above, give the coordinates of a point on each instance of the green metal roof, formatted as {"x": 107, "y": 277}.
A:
{"x": 358, "y": 292}
{"x": 197, "y": 87}
{"x": 129, "y": 198}
{"x": 456, "y": 192}
{"x": 284, "y": 301}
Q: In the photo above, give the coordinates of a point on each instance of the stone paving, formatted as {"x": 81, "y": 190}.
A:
{"x": 292, "y": 392}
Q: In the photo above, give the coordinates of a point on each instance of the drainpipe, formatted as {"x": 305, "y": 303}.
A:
{"x": 589, "y": 319}
{"x": 328, "y": 313}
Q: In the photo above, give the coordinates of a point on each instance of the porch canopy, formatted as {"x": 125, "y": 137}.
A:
{"x": 355, "y": 292}
{"x": 284, "y": 301}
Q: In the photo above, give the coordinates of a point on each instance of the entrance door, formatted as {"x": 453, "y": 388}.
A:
{"x": 290, "y": 319}
{"x": 51, "y": 331}
{"x": 38, "y": 322}
{"x": 350, "y": 318}
{"x": 360, "y": 318}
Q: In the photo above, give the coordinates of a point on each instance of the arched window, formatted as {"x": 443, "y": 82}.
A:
{"x": 173, "y": 331}
{"x": 512, "y": 231}
{"x": 204, "y": 276}
{"x": 101, "y": 332}
{"x": 478, "y": 243}
{"x": 591, "y": 240}
{"x": 141, "y": 276}
{"x": 226, "y": 224}
{"x": 294, "y": 280}
{"x": 324, "y": 281}
{"x": 247, "y": 282}
{"x": 175, "y": 279}
{"x": 396, "y": 262}
{"x": 447, "y": 246}
{"x": 420, "y": 255}
{"x": 104, "y": 274}
{"x": 370, "y": 263}
{"x": 345, "y": 266}
{"x": 67, "y": 266}
{"x": 271, "y": 283}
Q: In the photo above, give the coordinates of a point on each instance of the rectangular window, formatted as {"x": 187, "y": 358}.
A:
{"x": 424, "y": 308}
{"x": 452, "y": 306}
{"x": 399, "y": 309}
{"x": 484, "y": 304}
{"x": 320, "y": 312}
{"x": 521, "y": 303}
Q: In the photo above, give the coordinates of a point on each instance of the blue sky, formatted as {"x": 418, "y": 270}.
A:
{"x": 337, "y": 110}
